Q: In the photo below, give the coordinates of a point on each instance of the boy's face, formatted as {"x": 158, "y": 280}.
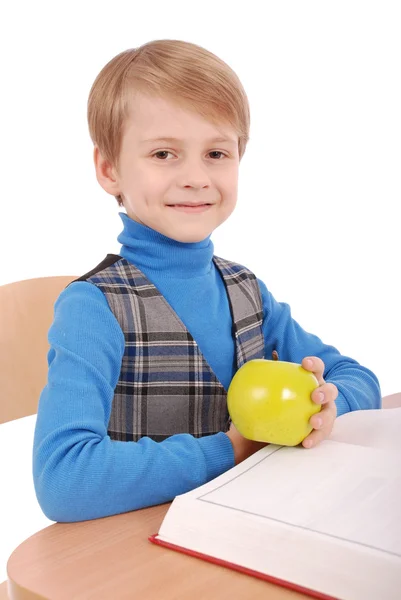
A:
{"x": 167, "y": 184}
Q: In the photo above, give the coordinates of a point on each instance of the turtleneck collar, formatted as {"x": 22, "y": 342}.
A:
{"x": 150, "y": 250}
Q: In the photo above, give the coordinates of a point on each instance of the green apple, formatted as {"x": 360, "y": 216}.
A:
{"x": 270, "y": 401}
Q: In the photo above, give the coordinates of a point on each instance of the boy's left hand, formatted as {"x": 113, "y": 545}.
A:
{"x": 323, "y": 421}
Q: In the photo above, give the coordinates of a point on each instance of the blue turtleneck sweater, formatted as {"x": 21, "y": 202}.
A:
{"x": 79, "y": 472}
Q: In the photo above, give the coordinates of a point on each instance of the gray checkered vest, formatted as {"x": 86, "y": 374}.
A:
{"x": 165, "y": 385}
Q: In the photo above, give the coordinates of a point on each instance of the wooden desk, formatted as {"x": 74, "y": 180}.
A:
{"x": 112, "y": 559}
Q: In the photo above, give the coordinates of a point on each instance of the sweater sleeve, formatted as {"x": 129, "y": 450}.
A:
{"x": 358, "y": 387}
{"x": 79, "y": 473}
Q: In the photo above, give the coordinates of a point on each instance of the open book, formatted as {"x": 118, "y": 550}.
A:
{"x": 324, "y": 521}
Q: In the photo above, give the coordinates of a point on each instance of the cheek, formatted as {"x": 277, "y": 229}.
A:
{"x": 231, "y": 197}
{"x": 153, "y": 185}
{"x": 230, "y": 185}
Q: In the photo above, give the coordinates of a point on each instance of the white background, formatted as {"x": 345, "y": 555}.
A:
{"x": 319, "y": 182}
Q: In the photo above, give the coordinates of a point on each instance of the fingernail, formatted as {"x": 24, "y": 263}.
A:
{"x": 309, "y": 362}
{"x": 318, "y": 422}
{"x": 321, "y": 397}
{"x": 308, "y": 444}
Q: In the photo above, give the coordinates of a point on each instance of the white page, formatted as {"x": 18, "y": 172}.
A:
{"x": 379, "y": 428}
{"x": 348, "y": 492}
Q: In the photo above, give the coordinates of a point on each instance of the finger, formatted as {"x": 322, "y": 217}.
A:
{"x": 327, "y": 392}
{"x": 322, "y": 424}
{"x": 313, "y": 439}
{"x": 316, "y": 365}
{"x": 324, "y": 419}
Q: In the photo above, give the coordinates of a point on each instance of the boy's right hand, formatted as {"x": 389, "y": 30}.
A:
{"x": 243, "y": 448}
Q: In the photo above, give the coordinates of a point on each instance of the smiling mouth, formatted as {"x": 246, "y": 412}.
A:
{"x": 190, "y": 208}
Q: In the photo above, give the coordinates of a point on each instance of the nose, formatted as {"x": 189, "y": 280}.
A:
{"x": 194, "y": 174}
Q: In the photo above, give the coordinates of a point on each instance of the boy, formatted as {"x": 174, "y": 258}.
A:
{"x": 143, "y": 348}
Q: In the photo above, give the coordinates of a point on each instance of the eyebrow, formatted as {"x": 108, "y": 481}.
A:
{"x": 173, "y": 139}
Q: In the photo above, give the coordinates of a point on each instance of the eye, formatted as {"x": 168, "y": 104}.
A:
{"x": 161, "y": 152}
{"x": 217, "y": 152}
{"x": 167, "y": 152}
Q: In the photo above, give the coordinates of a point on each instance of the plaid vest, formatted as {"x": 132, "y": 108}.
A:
{"x": 165, "y": 385}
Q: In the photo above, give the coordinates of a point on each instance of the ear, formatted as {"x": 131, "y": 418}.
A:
{"x": 105, "y": 174}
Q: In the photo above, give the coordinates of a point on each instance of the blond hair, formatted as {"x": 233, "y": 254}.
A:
{"x": 182, "y": 72}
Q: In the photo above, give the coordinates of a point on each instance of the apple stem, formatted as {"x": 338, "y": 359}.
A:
{"x": 275, "y": 355}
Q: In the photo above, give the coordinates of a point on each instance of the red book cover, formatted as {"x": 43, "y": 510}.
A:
{"x": 218, "y": 561}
